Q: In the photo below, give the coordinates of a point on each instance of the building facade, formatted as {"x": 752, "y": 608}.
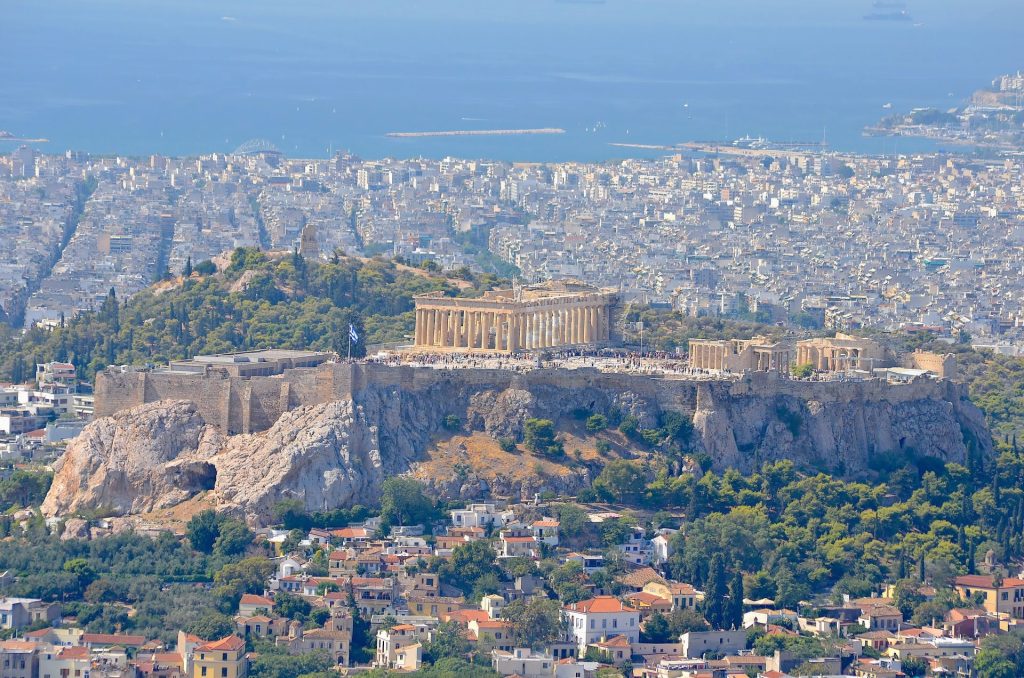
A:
{"x": 841, "y": 353}
{"x": 599, "y": 618}
{"x": 760, "y": 354}
{"x": 550, "y": 315}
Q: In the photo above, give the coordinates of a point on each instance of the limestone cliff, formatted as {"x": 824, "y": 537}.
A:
{"x": 339, "y": 452}
{"x": 138, "y": 460}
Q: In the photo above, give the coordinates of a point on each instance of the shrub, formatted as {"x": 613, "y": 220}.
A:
{"x": 630, "y": 426}
{"x": 452, "y": 423}
{"x": 596, "y": 423}
{"x": 507, "y": 444}
{"x": 803, "y": 370}
{"x": 539, "y": 435}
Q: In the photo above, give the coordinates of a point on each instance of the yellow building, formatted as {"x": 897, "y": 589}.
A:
{"x": 224, "y": 658}
{"x": 1004, "y": 597}
{"x": 682, "y": 596}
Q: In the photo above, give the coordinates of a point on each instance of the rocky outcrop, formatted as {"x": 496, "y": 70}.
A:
{"x": 339, "y": 452}
{"x": 326, "y": 455}
{"x": 140, "y": 459}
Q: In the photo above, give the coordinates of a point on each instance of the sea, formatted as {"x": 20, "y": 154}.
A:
{"x": 314, "y": 77}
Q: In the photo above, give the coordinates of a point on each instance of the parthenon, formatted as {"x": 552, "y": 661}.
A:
{"x": 550, "y": 315}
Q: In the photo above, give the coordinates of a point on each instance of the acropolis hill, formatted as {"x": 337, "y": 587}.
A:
{"x": 330, "y": 434}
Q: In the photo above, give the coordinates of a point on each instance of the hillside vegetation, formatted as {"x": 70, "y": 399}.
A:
{"x": 257, "y": 301}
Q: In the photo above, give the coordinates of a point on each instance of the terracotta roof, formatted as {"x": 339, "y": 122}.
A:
{"x": 519, "y": 540}
{"x": 639, "y": 578}
{"x": 546, "y": 523}
{"x": 250, "y": 599}
{"x": 615, "y": 641}
{"x": 229, "y": 643}
{"x": 113, "y": 639}
{"x": 600, "y": 604}
{"x": 24, "y": 645}
{"x": 880, "y": 610}
{"x": 351, "y": 533}
{"x": 466, "y": 616}
{"x": 648, "y": 598}
{"x": 256, "y": 618}
{"x": 984, "y": 581}
{"x": 77, "y": 652}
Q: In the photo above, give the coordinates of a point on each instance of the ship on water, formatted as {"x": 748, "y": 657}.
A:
{"x": 902, "y": 15}
{"x": 889, "y": 10}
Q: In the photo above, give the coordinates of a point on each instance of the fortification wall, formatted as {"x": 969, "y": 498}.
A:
{"x": 240, "y": 405}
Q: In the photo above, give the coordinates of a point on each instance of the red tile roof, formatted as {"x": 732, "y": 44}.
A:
{"x": 984, "y": 581}
{"x": 229, "y": 643}
{"x": 113, "y": 639}
{"x": 600, "y": 604}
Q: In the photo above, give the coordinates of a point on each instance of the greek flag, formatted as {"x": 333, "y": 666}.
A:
{"x": 352, "y": 334}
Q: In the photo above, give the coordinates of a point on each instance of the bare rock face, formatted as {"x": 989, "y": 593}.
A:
{"x": 326, "y": 455}
{"x": 338, "y": 453}
{"x": 147, "y": 457}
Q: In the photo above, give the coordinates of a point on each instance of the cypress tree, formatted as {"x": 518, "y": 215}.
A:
{"x": 736, "y": 600}
{"x": 188, "y": 267}
{"x": 715, "y": 594}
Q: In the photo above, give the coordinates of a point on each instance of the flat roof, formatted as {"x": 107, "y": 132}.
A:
{"x": 265, "y": 355}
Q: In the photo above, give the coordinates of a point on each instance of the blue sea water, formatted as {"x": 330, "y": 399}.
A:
{"x": 194, "y": 76}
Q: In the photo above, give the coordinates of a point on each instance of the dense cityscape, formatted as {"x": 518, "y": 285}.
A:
{"x": 484, "y": 405}
{"x": 813, "y": 240}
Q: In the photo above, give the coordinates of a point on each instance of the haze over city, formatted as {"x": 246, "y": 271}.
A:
{"x": 538, "y": 339}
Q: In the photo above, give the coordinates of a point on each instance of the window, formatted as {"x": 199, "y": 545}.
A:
{"x": 203, "y": 672}
{"x": 224, "y": 672}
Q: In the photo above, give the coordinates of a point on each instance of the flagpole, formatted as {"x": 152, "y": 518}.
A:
{"x": 350, "y": 345}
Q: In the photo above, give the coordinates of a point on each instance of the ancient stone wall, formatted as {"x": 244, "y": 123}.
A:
{"x": 241, "y": 405}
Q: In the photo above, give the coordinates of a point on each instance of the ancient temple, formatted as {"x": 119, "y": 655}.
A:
{"x": 551, "y": 315}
